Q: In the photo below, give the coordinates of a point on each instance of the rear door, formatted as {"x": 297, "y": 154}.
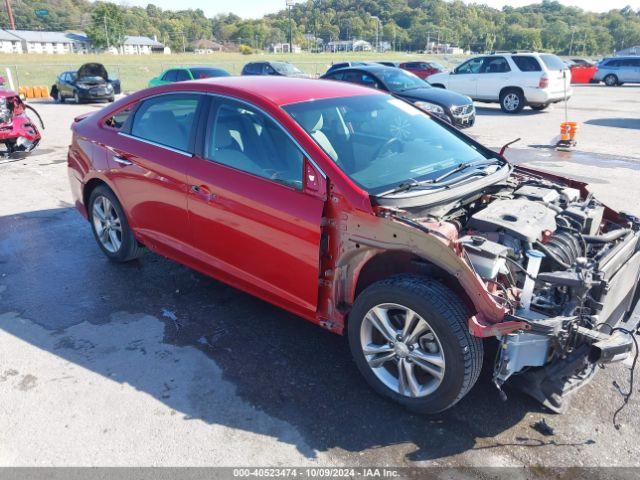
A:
{"x": 494, "y": 74}
{"x": 149, "y": 160}
{"x": 253, "y": 221}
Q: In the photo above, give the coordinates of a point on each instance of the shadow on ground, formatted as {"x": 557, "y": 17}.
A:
{"x": 630, "y": 123}
{"x": 55, "y": 276}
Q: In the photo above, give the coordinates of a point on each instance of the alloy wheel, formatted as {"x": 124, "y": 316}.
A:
{"x": 402, "y": 350}
{"x": 107, "y": 224}
{"x": 511, "y": 101}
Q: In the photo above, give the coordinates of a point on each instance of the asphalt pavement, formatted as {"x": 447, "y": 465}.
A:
{"x": 150, "y": 363}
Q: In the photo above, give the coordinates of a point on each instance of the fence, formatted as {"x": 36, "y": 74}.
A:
{"x": 134, "y": 76}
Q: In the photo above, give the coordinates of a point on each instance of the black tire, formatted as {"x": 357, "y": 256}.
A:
{"x": 448, "y": 318}
{"x": 611, "y": 80}
{"x": 512, "y": 100}
{"x": 111, "y": 99}
{"x": 58, "y": 97}
{"x": 538, "y": 107}
{"x": 129, "y": 249}
{"x": 77, "y": 98}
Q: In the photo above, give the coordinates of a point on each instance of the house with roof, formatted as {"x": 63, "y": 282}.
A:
{"x": 34, "y": 41}
{"x": 629, "y": 52}
{"x": 348, "y": 46}
{"x": 9, "y": 43}
{"x": 137, "y": 45}
{"x": 204, "y": 46}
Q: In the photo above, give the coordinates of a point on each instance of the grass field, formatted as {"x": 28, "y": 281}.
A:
{"x": 135, "y": 71}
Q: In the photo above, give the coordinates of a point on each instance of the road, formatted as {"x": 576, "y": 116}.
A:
{"x": 151, "y": 363}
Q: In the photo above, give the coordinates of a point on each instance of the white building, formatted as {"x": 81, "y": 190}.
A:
{"x": 284, "y": 48}
{"x": 9, "y": 43}
{"x": 629, "y": 52}
{"x": 134, "y": 45}
{"x": 349, "y": 46}
{"x": 51, "y": 42}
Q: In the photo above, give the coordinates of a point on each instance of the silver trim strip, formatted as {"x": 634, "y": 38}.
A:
{"x": 159, "y": 145}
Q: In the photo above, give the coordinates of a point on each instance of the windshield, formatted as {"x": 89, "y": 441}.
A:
{"x": 207, "y": 73}
{"x": 380, "y": 141}
{"x": 398, "y": 80}
{"x": 552, "y": 62}
{"x": 286, "y": 68}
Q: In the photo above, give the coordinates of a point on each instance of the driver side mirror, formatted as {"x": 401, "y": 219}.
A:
{"x": 314, "y": 180}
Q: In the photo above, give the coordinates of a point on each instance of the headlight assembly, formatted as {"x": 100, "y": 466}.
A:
{"x": 430, "y": 107}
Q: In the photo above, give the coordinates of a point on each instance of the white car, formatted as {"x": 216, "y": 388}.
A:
{"x": 511, "y": 79}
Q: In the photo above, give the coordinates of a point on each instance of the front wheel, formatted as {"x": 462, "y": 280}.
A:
{"x": 110, "y": 226}
{"x": 409, "y": 338}
{"x": 611, "y": 80}
{"x": 512, "y": 101}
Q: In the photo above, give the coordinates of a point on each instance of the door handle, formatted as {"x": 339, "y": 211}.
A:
{"x": 121, "y": 160}
{"x": 203, "y": 192}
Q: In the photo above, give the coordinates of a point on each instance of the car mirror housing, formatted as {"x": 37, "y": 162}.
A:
{"x": 314, "y": 180}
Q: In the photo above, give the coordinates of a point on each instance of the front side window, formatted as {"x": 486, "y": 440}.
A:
{"x": 380, "y": 141}
{"x": 245, "y": 139}
{"x": 495, "y": 65}
{"x": 472, "y": 66}
{"x": 166, "y": 120}
{"x": 526, "y": 64}
{"x": 284, "y": 68}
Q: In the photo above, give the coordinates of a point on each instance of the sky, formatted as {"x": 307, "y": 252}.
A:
{"x": 258, "y": 8}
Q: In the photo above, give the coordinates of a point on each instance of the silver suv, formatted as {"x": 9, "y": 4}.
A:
{"x": 618, "y": 70}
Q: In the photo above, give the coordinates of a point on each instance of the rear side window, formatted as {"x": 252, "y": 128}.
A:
{"x": 250, "y": 69}
{"x": 495, "y": 65}
{"x": 170, "y": 76}
{"x": 526, "y": 64}
{"x": 118, "y": 119}
{"x": 245, "y": 139}
{"x": 182, "y": 76}
{"x": 166, "y": 120}
{"x": 552, "y": 62}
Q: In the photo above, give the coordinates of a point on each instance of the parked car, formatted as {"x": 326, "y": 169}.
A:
{"x": 618, "y": 71}
{"x": 511, "y": 79}
{"x": 19, "y": 134}
{"x": 422, "y": 69}
{"x": 89, "y": 83}
{"x": 185, "y": 74}
{"x": 279, "y": 69}
{"x": 582, "y": 70}
{"x": 339, "y": 65}
{"x": 450, "y": 106}
{"x": 355, "y": 210}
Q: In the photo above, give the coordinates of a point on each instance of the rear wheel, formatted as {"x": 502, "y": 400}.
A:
{"x": 611, "y": 80}
{"x": 512, "y": 101}
{"x": 110, "y": 226}
{"x": 409, "y": 338}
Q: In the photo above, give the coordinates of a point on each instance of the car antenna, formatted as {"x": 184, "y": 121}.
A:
{"x": 507, "y": 145}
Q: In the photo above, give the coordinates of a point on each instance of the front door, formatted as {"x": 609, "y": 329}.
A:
{"x": 149, "y": 162}
{"x": 251, "y": 219}
{"x": 464, "y": 79}
{"x": 493, "y": 75}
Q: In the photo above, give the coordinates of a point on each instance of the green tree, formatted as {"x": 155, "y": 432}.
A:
{"x": 107, "y": 25}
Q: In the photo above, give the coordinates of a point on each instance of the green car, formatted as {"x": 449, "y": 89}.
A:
{"x": 186, "y": 73}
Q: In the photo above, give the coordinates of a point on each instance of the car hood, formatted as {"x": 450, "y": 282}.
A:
{"x": 441, "y": 77}
{"x": 92, "y": 70}
{"x": 436, "y": 95}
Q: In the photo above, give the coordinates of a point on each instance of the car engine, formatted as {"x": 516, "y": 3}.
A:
{"x": 553, "y": 258}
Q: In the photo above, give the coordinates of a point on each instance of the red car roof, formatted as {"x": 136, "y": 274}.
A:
{"x": 284, "y": 90}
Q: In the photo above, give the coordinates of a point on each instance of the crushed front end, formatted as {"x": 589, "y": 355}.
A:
{"x": 18, "y": 133}
{"x": 564, "y": 267}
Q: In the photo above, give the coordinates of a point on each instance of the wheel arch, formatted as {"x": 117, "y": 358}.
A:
{"x": 504, "y": 90}
{"x": 398, "y": 262}
{"x": 88, "y": 188}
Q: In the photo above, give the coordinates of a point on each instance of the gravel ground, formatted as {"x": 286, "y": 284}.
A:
{"x": 153, "y": 364}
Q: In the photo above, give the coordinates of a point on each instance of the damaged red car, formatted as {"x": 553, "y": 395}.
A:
{"x": 371, "y": 218}
{"x": 18, "y": 133}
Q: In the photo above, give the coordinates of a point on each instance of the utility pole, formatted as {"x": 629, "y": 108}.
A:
{"x": 106, "y": 30}
{"x": 377, "y": 32}
{"x": 573, "y": 30}
{"x": 12, "y": 22}
{"x": 290, "y": 4}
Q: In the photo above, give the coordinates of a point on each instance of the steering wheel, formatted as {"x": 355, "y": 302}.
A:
{"x": 386, "y": 146}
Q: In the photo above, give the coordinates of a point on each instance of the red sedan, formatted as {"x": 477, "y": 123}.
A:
{"x": 368, "y": 216}
{"x": 422, "y": 69}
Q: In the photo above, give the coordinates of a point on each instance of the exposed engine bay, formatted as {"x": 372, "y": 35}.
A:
{"x": 18, "y": 133}
{"x": 552, "y": 255}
